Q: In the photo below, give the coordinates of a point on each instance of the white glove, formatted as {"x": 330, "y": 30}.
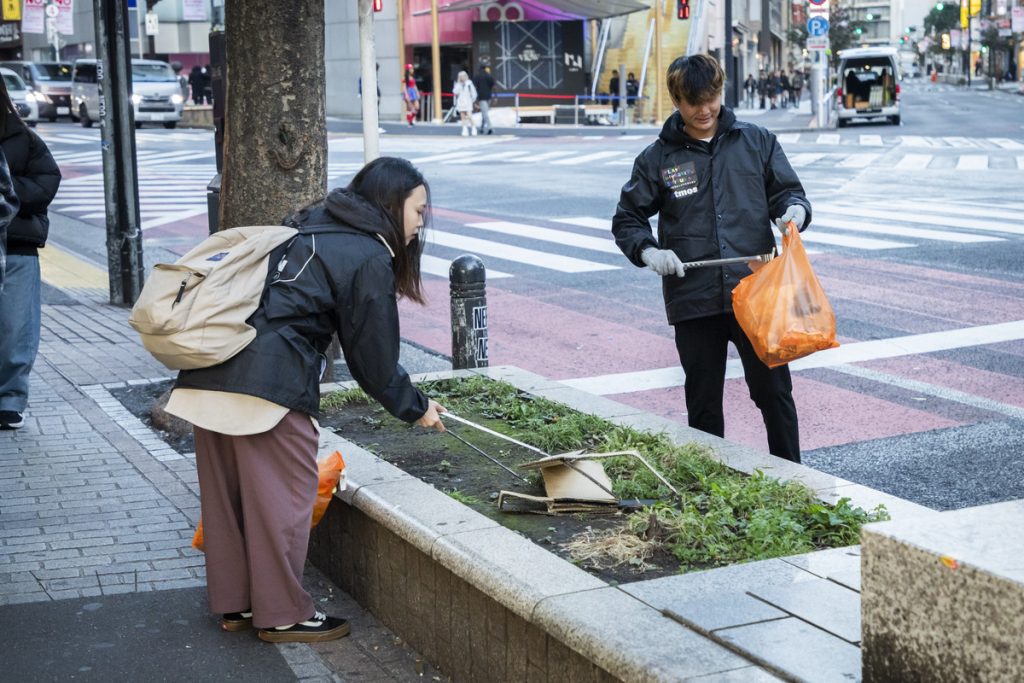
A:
{"x": 795, "y": 213}
{"x": 662, "y": 261}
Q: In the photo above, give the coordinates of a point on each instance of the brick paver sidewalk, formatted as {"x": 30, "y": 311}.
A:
{"x": 93, "y": 504}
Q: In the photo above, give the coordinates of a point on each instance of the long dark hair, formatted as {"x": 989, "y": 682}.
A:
{"x": 10, "y": 112}
{"x": 387, "y": 182}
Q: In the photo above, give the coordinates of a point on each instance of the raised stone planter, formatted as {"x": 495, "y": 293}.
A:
{"x": 943, "y": 596}
{"x": 482, "y": 603}
{"x": 197, "y": 116}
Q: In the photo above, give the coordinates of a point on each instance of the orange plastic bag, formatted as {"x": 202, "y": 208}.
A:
{"x": 782, "y": 307}
{"x": 330, "y": 470}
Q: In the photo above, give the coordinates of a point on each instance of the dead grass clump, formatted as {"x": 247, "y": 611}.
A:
{"x": 610, "y": 548}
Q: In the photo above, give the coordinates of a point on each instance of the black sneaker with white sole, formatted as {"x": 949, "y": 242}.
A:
{"x": 316, "y": 629}
{"x": 236, "y": 621}
{"x": 11, "y": 419}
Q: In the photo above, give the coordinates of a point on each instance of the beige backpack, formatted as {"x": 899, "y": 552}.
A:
{"x": 192, "y": 313}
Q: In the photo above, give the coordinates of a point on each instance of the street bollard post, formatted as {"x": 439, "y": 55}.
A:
{"x": 468, "y": 281}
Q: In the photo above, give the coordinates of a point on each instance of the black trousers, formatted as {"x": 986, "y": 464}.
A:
{"x": 703, "y": 345}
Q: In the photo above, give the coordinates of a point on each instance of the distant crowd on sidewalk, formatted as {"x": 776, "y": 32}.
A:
{"x": 777, "y": 89}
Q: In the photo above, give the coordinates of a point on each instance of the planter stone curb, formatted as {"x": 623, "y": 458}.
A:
{"x": 622, "y": 635}
{"x": 549, "y": 605}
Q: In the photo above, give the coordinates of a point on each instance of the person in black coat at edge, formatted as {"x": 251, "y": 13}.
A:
{"x": 484, "y": 83}
{"x": 35, "y": 178}
{"x": 255, "y": 414}
{"x": 716, "y": 183}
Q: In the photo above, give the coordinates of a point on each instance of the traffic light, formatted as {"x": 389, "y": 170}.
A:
{"x": 939, "y": 6}
{"x": 682, "y": 9}
{"x": 378, "y": 5}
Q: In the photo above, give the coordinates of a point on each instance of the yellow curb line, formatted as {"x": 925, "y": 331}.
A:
{"x": 62, "y": 269}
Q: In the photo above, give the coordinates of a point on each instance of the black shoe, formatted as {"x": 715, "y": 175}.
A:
{"x": 10, "y": 419}
{"x": 316, "y": 629}
{"x": 490, "y": 131}
{"x": 236, "y": 621}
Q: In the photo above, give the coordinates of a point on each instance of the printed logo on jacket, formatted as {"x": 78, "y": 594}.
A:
{"x": 681, "y": 180}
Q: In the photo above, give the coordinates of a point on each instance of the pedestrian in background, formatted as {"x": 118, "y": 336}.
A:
{"x": 34, "y": 177}
{"x": 632, "y": 89}
{"x": 465, "y": 97}
{"x": 484, "y": 83}
{"x": 710, "y": 211}
{"x": 410, "y": 96}
{"x": 255, "y": 421}
{"x": 762, "y": 88}
{"x": 195, "y": 84}
{"x": 784, "y": 89}
{"x": 798, "y": 86}
{"x": 613, "y": 90}
{"x": 750, "y": 88}
{"x": 207, "y": 81}
{"x": 774, "y": 88}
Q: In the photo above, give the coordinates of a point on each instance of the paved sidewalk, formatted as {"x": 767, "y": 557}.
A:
{"x": 97, "y": 577}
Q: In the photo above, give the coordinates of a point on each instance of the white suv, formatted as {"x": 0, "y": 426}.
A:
{"x": 156, "y": 95}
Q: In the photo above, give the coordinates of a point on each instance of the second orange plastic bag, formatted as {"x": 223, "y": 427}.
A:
{"x": 782, "y": 307}
{"x": 330, "y": 473}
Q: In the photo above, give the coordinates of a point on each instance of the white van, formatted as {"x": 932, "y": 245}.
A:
{"x": 156, "y": 96}
{"x": 868, "y": 86}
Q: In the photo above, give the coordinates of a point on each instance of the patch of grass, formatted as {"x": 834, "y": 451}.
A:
{"x": 722, "y": 517}
{"x": 463, "y": 498}
{"x": 340, "y": 399}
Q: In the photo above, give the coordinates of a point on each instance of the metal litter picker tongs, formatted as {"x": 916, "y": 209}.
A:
{"x": 572, "y": 461}
{"x": 712, "y": 263}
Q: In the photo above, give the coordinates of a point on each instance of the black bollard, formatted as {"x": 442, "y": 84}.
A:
{"x": 468, "y": 280}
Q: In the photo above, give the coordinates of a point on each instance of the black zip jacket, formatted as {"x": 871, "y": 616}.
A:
{"x": 337, "y": 278}
{"x": 714, "y": 200}
{"x": 36, "y": 179}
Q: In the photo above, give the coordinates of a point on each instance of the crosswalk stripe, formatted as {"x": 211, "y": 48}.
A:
{"x": 838, "y": 240}
{"x": 173, "y": 217}
{"x": 1007, "y": 143}
{"x": 916, "y": 141}
{"x": 443, "y": 157}
{"x": 912, "y": 162}
{"x": 826, "y": 220}
{"x": 972, "y": 162}
{"x": 788, "y": 138}
{"x": 960, "y": 142}
{"x": 858, "y": 161}
{"x": 899, "y": 207}
{"x": 828, "y": 139}
{"x": 983, "y": 225}
{"x": 805, "y": 158}
{"x": 486, "y": 157}
{"x": 534, "y": 232}
{"x": 542, "y": 157}
{"x": 1020, "y": 163}
{"x": 433, "y": 265}
{"x": 586, "y": 158}
{"x": 540, "y": 259}
{"x": 871, "y": 140}
{"x": 177, "y": 156}
{"x": 587, "y": 222}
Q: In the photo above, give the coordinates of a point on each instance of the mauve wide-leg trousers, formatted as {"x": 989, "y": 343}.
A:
{"x": 257, "y": 493}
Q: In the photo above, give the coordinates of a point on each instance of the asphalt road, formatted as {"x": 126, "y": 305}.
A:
{"x": 918, "y": 239}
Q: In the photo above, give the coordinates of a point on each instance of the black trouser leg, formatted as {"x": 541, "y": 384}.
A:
{"x": 702, "y": 346}
{"x": 771, "y": 389}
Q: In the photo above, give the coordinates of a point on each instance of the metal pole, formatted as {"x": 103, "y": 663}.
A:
{"x": 647, "y": 57}
{"x": 468, "y": 281}
{"x": 970, "y": 62}
{"x": 368, "y": 59}
{"x": 117, "y": 142}
{"x": 576, "y": 111}
{"x": 435, "y": 59}
{"x": 623, "y": 109}
{"x": 517, "y": 110}
{"x": 600, "y": 57}
{"x": 730, "y": 68}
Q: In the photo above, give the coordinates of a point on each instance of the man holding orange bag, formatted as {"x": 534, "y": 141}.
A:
{"x": 717, "y": 184}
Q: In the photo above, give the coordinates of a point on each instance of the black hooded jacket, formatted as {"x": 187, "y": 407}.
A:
{"x": 36, "y": 179}
{"x": 714, "y": 199}
{"x": 337, "y": 278}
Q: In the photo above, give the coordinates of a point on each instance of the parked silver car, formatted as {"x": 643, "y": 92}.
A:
{"x": 51, "y": 83}
{"x": 22, "y": 97}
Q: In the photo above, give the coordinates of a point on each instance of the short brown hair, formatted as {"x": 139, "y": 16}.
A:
{"x": 695, "y": 79}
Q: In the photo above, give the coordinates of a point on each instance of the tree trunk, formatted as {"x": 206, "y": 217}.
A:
{"x": 275, "y": 135}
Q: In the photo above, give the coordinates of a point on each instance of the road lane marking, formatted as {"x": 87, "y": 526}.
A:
{"x": 824, "y": 219}
{"x": 787, "y": 138}
{"x": 486, "y": 157}
{"x": 838, "y": 240}
{"x": 586, "y": 158}
{"x": 532, "y": 257}
{"x": 960, "y": 142}
{"x": 920, "y": 216}
{"x": 855, "y": 352}
{"x": 828, "y": 139}
{"x": 1020, "y": 163}
{"x": 805, "y": 158}
{"x": 433, "y": 265}
{"x": 914, "y": 162}
{"x": 587, "y": 222}
{"x": 543, "y": 157}
{"x": 917, "y": 141}
{"x": 871, "y": 141}
{"x": 572, "y": 239}
{"x": 858, "y": 161}
{"x": 1007, "y": 143}
{"x": 447, "y": 156}
{"x": 948, "y": 209}
{"x": 972, "y": 162}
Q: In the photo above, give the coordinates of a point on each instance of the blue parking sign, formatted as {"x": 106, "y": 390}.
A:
{"x": 817, "y": 27}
